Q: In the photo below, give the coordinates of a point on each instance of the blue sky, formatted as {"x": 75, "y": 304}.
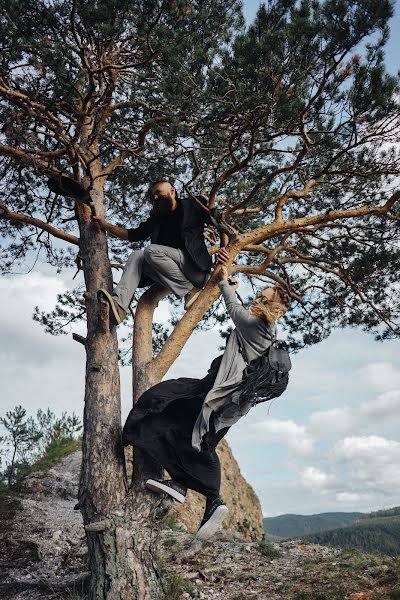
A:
{"x": 330, "y": 443}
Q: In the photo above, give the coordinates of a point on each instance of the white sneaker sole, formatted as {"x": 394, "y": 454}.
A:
{"x": 156, "y": 486}
{"x": 213, "y": 524}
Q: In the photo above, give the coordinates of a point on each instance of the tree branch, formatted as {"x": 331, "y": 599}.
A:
{"x": 270, "y": 230}
{"x": 28, "y": 158}
{"x": 20, "y": 218}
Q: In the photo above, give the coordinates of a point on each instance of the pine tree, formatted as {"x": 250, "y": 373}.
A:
{"x": 288, "y": 126}
{"x": 22, "y": 437}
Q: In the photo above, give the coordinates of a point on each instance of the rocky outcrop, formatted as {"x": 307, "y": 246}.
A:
{"x": 43, "y": 556}
{"x": 43, "y": 552}
{"x": 245, "y": 514}
{"x": 234, "y": 569}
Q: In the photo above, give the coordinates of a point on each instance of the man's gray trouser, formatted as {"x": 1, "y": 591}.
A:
{"x": 171, "y": 267}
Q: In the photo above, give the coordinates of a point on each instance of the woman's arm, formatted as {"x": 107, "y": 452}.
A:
{"x": 239, "y": 315}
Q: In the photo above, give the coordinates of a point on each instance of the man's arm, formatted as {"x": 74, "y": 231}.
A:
{"x": 132, "y": 235}
{"x": 115, "y": 230}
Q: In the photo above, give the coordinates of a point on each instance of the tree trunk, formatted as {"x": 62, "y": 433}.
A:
{"x": 119, "y": 526}
{"x": 11, "y": 471}
{"x": 143, "y": 376}
{"x": 123, "y": 558}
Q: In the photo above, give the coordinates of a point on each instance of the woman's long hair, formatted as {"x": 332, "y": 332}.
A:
{"x": 272, "y": 310}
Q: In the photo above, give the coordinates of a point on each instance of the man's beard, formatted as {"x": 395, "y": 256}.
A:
{"x": 162, "y": 206}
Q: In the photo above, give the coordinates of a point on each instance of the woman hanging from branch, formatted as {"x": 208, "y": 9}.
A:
{"x": 179, "y": 422}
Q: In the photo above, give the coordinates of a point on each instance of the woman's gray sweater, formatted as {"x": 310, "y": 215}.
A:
{"x": 254, "y": 336}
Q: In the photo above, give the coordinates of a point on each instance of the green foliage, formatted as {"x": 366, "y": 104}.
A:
{"x": 389, "y": 512}
{"x": 380, "y": 534}
{"x": 267, "y": 549}
{"x": 54, "y": 452}
{"x": 290, "y": 526}
{"x": 37, "y": 443}
{"x": 246, "y": 115}
{"x": 22, "y": 438}
{"x": 175, "y": 585}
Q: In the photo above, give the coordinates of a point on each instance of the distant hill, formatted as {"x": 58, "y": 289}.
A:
{"x": 388, "y": 512}
{"x": 289, "y": 526}
{"x": 371, "y": 534}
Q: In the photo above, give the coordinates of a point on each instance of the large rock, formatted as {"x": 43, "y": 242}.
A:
{"x": 62, "y": 480}
{"x": 245, "y": 514}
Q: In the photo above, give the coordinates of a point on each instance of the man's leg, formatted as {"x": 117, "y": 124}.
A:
{"x": 122, "y": 295}
{"x": 123, "y": 292}
{"x": 172, "y": 268}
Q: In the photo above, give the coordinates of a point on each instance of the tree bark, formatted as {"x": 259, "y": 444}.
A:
{"x": 143, "y": 376}
{"x": 119, "y": 526}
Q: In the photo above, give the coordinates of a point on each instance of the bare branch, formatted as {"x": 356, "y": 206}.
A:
{"x": 278, "y": 227}
{"x": 58, "y": 233}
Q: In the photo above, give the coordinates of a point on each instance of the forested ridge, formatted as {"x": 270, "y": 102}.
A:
{"x": 290, "y": 525}
{"x": 377, "y": 532}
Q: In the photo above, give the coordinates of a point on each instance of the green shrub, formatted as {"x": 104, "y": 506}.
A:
{"x": 267, "y": 549}
{"x": 175, "y": 585}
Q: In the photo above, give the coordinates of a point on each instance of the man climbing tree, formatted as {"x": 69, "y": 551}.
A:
{"x": 288, "y": 127}
{"x": 177, "y": 258}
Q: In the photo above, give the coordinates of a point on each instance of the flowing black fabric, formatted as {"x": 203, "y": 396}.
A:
{"x": 161, "y": 424}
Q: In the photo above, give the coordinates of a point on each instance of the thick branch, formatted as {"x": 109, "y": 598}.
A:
{"x": 25, "y": 157}
{"x": 292, "y": 194}
{"x": 144, "y": 375}
{"x": 278, "y": 227}
{"x": 20, "y": 218}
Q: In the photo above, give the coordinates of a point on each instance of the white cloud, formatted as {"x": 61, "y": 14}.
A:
{"x": 316, "y": 480}
{"x": 366, "y": 448}
{"x": 384, "y": 376}
{"x": 386, "y": 405}
{"x": 285, "y": 432}
{"x": 23, "y": 342}
{"x": 372, "y": 462}
{"x": 335, "y": 422}
{"x": 352, "y": 497}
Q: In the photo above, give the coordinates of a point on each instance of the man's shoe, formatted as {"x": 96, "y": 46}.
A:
{"x": 64, "y": 186}
{"x": 191, "y": 297}
{"x": 212, "y": 521}
{"x": 118, "y": 314}
{"x": 173, "y": 489}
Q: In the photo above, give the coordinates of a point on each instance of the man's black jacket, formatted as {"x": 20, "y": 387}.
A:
{"x": 193, "y": 219}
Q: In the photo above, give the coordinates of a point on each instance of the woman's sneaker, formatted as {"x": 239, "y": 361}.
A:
{"x": 212, "y": 521}
{"x": 173, "y": 489}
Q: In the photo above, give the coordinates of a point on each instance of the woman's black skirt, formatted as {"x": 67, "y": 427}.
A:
{"x": 161, "y": 424}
